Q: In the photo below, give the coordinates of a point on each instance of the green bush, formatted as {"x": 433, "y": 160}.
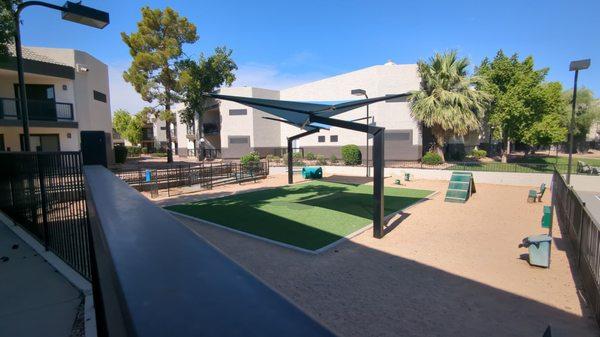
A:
{"x": 250, "y": 159}
{"x": 159, "y": 154}
{"x": 351, "y": 154}
{"x": 120, "y": 154}
{"x": 272, "y": 157}
{"x": 333, "y": 159}
{"x": 297, "y": 155}
{"x": 134, "y": 151}
{"x": 310, "y": 156}
{"x": 145, "y": 150}
{"x": 432, "y": 158}
{"x": 321, "y": 159}
{"x": 476, "y": 153}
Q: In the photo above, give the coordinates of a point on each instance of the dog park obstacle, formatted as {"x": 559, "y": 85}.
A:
{"x": 461, "y": 187}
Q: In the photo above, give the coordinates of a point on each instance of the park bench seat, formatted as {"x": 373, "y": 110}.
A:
{"x": 535, "y": 195}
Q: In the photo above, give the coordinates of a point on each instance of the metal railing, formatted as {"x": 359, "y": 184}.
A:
{"x": 44, "y": 193}
{"x": 483, "y": 166}
{"x": 210, "y": 128}
{"x": 156, "y": 277}
{"x": 205, "y": 175}
{"x": 211, "y": 153}
{"x": 40, "y": 110}
{"x": 583, "y": 231}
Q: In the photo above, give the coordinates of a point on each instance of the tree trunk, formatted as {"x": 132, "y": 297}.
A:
{"x": 201, "y": 136}
{"x": 439, "y": 136}
{"x": 169, "y": 139}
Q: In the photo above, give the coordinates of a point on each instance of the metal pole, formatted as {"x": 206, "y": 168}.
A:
{"x": 368, "y": 173}
{"x": 21, "y": 76}
{"x": 378, "y": 206}
{"x": 290, "y": 162}
{"x": 571, "y": 127}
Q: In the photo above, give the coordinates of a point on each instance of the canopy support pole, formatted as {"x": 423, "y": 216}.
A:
{"x": 378, "y": 165}
{"x": 290, "y": 157}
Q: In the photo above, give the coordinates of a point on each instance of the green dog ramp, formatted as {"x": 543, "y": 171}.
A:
{"x": 461, "y": 187}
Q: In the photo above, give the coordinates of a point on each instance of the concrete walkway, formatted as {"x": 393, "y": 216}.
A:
{"x": 35, "y": 300}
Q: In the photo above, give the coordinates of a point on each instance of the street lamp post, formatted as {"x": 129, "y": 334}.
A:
{"x": 71, "y": 11}
{"x": 575, "y": 66}
{"x": 362, "y": 92}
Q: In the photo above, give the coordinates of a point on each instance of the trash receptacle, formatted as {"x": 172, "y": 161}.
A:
{"x": 539, "y": 249}
{"x": 407, "y": 176}
{"x": 312, "y": 172}
{"x": 547, "y": 217}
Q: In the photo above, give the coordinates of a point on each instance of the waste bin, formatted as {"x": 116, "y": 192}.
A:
{"x": 539, "y": 249}
{"x": 407, "y": 176}
{"x": 312, "y": 172}
{"x": 547, "y": 217}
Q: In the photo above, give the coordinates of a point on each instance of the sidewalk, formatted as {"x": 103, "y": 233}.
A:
{"x": 35, "y": 300}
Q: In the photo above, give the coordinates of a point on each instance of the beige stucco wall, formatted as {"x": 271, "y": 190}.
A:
{"x": 68, "y": 137}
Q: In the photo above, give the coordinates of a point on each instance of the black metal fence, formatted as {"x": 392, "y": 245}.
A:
{"x": 584, "y": 233}
{"x": 178, "y": 175}
{"x": 44, "y": 193}
{"x": 485, "y": 166}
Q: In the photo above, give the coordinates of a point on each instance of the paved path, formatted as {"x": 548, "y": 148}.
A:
{"x": 35, "y": 300}
{"x": 592, "y": 202}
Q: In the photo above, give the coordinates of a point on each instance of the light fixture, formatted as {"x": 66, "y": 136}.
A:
{"x": 78, "y": 13}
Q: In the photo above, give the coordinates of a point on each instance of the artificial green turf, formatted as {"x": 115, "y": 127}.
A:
{"x": 310, "y": 215}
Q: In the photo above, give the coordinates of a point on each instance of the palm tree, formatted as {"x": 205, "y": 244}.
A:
{"x": 447, "y": 102}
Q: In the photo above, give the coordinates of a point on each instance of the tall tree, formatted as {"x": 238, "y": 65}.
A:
{"x": 551, "y": 128}
{"x": 520, "y": 97}
{"x": 128, "y": 126}
{"x": 447, "y": 102}
{"x": 156, "y": 48}
{"x": 205, "y": 75}
{"x": 587, "y": 112}
{"x": 7, "y": 25}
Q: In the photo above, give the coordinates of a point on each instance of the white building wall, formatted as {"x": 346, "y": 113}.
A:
{"x": 236, "y": 125}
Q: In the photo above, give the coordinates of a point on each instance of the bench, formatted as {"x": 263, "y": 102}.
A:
{"x": 536, "y": 195}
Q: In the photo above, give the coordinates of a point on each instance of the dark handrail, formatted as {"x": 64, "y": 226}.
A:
{"x": 155, "y": 277}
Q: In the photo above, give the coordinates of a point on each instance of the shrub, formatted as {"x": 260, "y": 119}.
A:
{"x": 333, "y": 159}
{"x": 120, "y": 154}
{"x": 351, "y": 154}
{"x": 159, "y": 154}
{"x": 310, "y": 156}
{"x": 133, "y": 151}
{"x": 431, "y": 158}
{"x": 145, "y": 150}
{"x": 250, "y": 159}
{"x": 297, "y": 155}
{"x": 476, "y": 153}
{"x": 272, "y": 157}
{"x": 321, "y": 159}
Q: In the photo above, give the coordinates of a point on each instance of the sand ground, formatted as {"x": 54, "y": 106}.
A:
{"x": 445, "y": 270}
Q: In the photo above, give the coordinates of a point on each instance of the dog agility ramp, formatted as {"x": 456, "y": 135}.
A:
{"x": 461, "y": 187}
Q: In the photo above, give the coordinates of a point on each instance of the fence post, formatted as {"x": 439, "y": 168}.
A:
{"x": 580, "y": 235}
{"x": 44, "y": 201}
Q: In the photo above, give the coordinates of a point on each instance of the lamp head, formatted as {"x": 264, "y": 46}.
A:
{"x": 358, "y": 92}
{"x": 78, "y": 13}
{"x": 579, "y": 65}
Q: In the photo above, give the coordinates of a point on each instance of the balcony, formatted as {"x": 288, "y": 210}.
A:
{"x": 39, "y": 110}
{"x": 210, "y": 128}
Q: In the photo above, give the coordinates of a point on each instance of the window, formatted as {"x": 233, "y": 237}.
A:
{"x": 45, "y": 143}
{"x": 2, "y": 143}
{"x": 333, "y": 139}
{"x": 321, "y": 139}
{"x": 238, "y": 112}
{"x": 397, "y": 135}
{"x": 98, "y": 96}
{"x": 239, "y": 140}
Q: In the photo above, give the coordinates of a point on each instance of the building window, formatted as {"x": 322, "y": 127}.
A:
{"x": 239, "y": 140}
{"x": 2, "y": 143}
{"x": 397, "y": 135}
{"x": 98, "y": 96}
{"x": 321, "y": 139}
{"x": 45, "y": 143}
{"x": 238, "y": 112}
{"x": 333, "y": 139}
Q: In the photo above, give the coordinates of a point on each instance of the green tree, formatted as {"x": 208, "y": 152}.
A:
{"x": 129, "y": 127}
{"x": 447, "y": 102}
{"x": 156, "y": 48}
{"x": 552, "y": 127}
{"x": 7, "y": 25}
{"x": 587, "y": 112}
{"x": 521, "y": 100}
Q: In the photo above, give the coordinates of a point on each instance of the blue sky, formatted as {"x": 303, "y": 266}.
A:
{"x": 279, "y": 44}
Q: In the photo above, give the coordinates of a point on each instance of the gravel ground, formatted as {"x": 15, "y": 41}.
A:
{"x": 446, "y": 270}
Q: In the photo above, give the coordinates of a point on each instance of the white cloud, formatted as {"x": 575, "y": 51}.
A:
{"x": 122, "y": 94}
{"x": 271, "y": 77}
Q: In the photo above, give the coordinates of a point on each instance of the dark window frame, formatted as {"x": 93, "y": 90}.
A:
{"x": 21, "y": 139}
{"x": 334, "y": 139}
{"x": 238, "y": 112}
{"x": 321, "y": 139}
{"x": 100, "y": 96}
{"x": 246, "y": 138}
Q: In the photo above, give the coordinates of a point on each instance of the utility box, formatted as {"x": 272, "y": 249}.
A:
{"x": 312, "y": 172}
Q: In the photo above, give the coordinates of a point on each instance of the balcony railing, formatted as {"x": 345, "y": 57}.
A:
{"x": 39, "y": 110}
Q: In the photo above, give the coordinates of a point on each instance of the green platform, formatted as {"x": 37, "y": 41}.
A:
{"x": 461, "y": 187}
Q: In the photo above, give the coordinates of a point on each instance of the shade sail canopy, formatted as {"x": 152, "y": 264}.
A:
{"x": 299, "y": 113}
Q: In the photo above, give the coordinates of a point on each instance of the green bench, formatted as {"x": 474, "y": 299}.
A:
{"x": 535, "y": 195}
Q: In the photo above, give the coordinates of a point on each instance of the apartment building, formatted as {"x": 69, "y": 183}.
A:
{"x": 231, "y": 129}
{"x": 67, "y": 97}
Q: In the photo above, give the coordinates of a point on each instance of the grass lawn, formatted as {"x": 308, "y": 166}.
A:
{"x": 310, "y": 215}
{"x": 527, "y": 165}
